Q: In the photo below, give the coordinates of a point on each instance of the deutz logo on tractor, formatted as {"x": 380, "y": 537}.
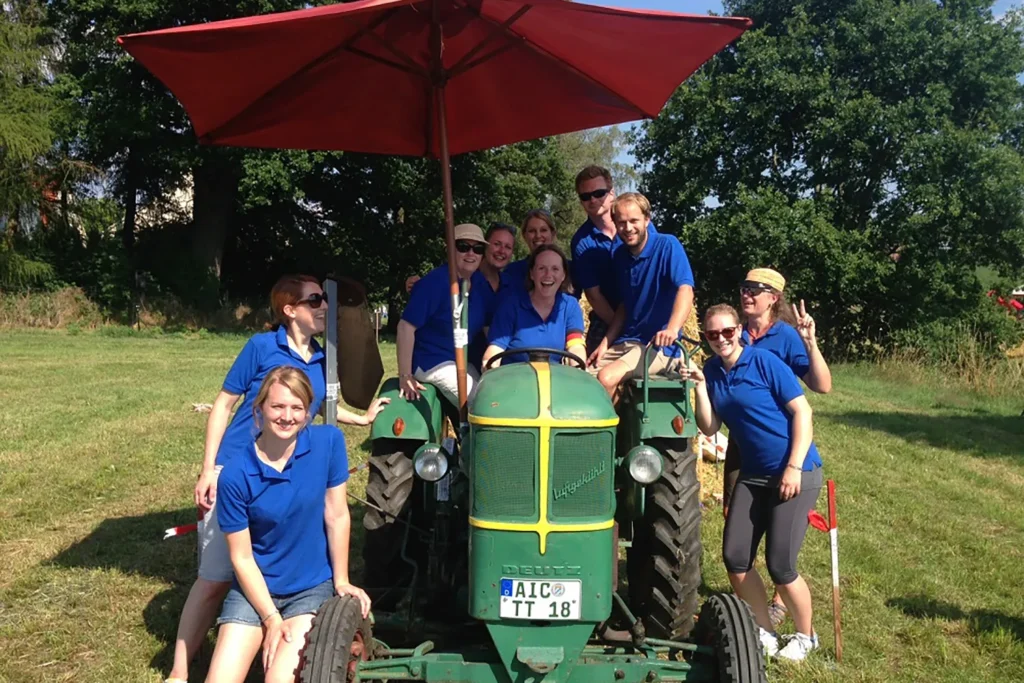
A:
{"x": 540, "y": 570}
{"x": 574, "y": 486}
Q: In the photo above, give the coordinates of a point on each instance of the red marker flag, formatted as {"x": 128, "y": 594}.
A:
{"x": 818, "y": 522}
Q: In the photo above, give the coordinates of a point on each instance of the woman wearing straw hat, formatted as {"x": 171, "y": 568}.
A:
{"x": 772, "y": 324}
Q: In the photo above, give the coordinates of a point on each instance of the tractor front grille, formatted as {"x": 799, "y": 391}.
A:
{"x": 504, "y": 474}
{"x": 582, "y": 475}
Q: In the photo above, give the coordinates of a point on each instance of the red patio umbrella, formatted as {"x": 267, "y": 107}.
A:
{"x": 427, "y": 77}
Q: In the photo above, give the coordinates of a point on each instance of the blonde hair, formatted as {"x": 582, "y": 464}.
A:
{"x": 720, "y": 309}
{"x": 635, "y": 198}
{"x": 293, "y": 379}
{"x": 542, "y": 214}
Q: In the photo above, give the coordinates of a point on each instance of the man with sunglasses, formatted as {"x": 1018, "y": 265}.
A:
{"x": 426, "y": 342}
{"x": 591, "y": 249}
{"x": 656, "y": 286}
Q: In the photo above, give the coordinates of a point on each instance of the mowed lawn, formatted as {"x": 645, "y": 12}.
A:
{"x": 100, "y": 448}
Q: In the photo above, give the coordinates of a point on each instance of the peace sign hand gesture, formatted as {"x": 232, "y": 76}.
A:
{"x": 804, "y": 324}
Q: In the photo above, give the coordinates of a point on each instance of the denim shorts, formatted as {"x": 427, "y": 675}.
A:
{"x": 238, "y": 610}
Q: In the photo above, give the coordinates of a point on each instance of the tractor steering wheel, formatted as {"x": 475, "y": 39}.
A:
{"x": 536, "y": 349}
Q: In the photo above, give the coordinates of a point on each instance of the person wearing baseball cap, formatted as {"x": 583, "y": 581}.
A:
{"x": 772, "y": 324}
{"x": 426, "y": 342}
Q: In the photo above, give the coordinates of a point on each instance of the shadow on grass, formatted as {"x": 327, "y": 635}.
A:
{"x": 979, "y": 621}
{"x": 984, "y": 435}
{"x": 134, "y": 546}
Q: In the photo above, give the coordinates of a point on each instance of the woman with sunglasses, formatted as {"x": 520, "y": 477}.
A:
{"x": 545, "y": 315}
{"x": 770, "y": 323}
{"x": 425, "y": 340}
{"x": 300, "y": 310}
{"x": 755, "y": 394}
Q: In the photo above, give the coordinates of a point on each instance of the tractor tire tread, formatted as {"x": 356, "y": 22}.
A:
{"x": 727, "y": 623}
{"x": 326, "y": 656}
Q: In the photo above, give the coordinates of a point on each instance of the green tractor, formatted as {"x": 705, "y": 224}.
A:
{"x": 492, "y": 547}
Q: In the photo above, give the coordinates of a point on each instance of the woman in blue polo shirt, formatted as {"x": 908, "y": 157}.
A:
{"x": 283, "y": 507}
{"x": 538, "y": 229}
{"x": 298, "y": 305}
{"x": 760, "y": 400}
{"x": 543, "y": 315}
{"x": 425, "y": 339}
{"x": 771, "y": 324}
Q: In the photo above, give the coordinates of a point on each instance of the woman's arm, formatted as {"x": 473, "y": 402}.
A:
{"x": 490, "y": 352}
{"x": 704, "y": 413}
{"x": 338, "y": 522}
{"x": 405, "y": 341}
{"x": 818, "y": 377}
{"x": 800, "y": 438}
{"x": 216, "y": 425}
{"x": 349, "y": 418}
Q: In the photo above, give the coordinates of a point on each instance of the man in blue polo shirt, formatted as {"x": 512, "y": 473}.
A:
{"x": 425, "y": 340}
{"x": 591, "y": 250}
{"x": 656, "y": 285}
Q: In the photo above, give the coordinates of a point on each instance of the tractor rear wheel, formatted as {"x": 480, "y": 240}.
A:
{"x": 664, "y": 562}
{"x": 727, "y": 624}
{"x": 339, "y": 639}
{"x": 390, "y": 488}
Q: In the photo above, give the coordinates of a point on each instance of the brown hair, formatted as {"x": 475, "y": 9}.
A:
{"x": 287, "y": 291}
{"x": 564, "y": 287}
{"x": 591, "y": 172}
{"x": 292, "y": 378}
{"x": 632, "y": 198}
{"x": 720, "y": 309}
{"x": 781, "y": 310}
{"x": 542, "y": 214}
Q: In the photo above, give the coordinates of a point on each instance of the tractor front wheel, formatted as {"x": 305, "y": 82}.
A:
{"x": 664, "y": 562}
{"x": 339, "y": 639}
{"x": 727, "y": 624}
{"x": 389, "y": 487}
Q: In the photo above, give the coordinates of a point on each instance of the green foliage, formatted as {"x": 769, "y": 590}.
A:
{"x": 870, "y": 149}
{"x": 19, "y": 272}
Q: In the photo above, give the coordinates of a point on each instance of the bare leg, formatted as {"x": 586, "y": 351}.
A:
{"x": 237, "y": 644}
{"x": 286, "y": 659}
{"x": 797, "y": 598}
{"x": 750, "y": 589}
{"x": 611, "y": 377}
{"x": 196, "y": 619}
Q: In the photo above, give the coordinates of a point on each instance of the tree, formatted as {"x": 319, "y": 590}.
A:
{"x": 869, "y": 149}
{"x": 27, "y": 108}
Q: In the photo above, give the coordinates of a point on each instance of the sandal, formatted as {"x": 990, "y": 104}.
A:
{"x": 777, "y": 612}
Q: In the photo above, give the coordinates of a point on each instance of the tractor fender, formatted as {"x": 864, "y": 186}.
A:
{"x": 418, "y": 420}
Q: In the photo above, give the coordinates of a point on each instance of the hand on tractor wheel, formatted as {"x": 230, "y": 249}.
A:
{"x": 275, "y": 631}
{"x": 804, "y": 323}
{"x": 206, "y": 490}
{"x": 409, "y": 388}
{"x": 355, "y": 592}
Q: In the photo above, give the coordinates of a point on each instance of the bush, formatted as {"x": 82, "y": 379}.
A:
{"x": 59, "y": 309}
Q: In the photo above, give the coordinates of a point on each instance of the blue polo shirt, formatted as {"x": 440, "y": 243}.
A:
{"x": 751, "y": 400}
{"x": 591, "y": 251}
{"x": 430, "y": 311}
{"x": 784, "y": 341}
{"x": 284, "y": 511}
{"x": 514, "y": 275}
{"x": 261, "y": 354}
{"x": 648, "y": 283}
{"x": 517, "y": 324}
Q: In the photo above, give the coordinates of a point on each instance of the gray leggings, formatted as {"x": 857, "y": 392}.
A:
{"x": 756, "y": 510}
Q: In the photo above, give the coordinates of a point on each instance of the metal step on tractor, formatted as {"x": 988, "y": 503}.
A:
{"x": 491, "y": 547}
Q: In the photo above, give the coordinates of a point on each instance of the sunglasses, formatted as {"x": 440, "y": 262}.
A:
{"x": 462, "y": 246}
{"x": 752, "y": 289}
{"x": 725, "y": 332}
{"x": 314, "y": 300}
{"x": 596, "y": 194}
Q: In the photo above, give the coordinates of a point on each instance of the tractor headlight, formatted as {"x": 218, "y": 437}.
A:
{"x": 430, "y": 462}
{"x": 645, "y": 464}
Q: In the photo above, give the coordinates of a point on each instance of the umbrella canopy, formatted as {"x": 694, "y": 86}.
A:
{"x": 363, "y": 76}
{"x": 427, "y": 78}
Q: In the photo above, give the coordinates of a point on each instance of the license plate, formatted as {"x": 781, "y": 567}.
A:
{"x": 538, "y": 599}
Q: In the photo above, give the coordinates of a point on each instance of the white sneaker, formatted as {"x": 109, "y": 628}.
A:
{"x": 769, "y": 641}
{"x": 799, "y": 646}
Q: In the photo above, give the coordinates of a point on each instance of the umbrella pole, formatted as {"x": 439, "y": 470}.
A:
{"x": 459, "y": 330}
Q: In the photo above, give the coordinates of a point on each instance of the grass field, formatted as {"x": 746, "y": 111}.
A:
{"x": 99, "y": 450}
